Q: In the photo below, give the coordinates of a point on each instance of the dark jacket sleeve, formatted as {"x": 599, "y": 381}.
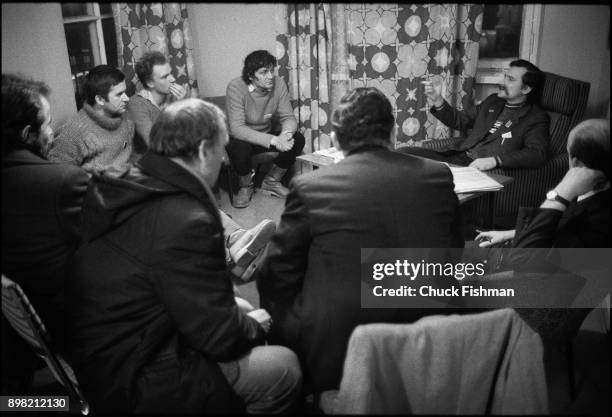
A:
{"x": 69, "y": 200}
{"x": 534, "y": 152}
{"x": 461, "y": 120}
{"x": 535, "y": 233}
{"x": 282, "y": 276}
{"x": 192, "y": 281}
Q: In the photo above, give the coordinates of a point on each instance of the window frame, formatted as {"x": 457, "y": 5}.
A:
{"x": 98, "y": 45}
{"x": 491, "y": 70}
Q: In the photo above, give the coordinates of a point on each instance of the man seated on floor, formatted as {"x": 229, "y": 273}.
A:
{"x": 41, "y": 205}
{"x": 159, "y": 88}
{"x": 152, "y": 320}
{"x": 508, "y": 129}
{"x": 576, "y": 212}
{"x": 373, "y": 198}
{"x": 99, "y": 137}
{"x": 253, "y": 101}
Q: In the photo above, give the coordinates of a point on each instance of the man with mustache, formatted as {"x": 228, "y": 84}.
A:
{"x": 99, "y": 137}
{"x": 508, "y": 129}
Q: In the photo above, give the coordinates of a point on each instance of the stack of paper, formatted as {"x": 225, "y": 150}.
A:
{"x": 468, "y": 180}
{"x": 332, "y": 152}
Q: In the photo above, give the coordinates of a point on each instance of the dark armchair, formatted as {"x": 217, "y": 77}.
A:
{"x": 565, "y": 100}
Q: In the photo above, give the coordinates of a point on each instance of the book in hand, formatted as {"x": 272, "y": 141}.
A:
{"x": 332, "y": 153}
{"x": 469, "y": 180}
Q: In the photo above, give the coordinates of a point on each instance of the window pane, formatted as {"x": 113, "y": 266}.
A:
{"x": 74, "y": 9}
{"x": 110, "y": 41}
{"x": 80, "y": 49}
{"x": 105, "y": 8}
{"x": 501, "y": 31}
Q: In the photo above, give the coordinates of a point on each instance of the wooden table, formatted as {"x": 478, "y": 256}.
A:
{"x": 317, "y": 161}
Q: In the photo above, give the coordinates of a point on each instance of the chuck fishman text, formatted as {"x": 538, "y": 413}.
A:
{"x": 429, "y": 291}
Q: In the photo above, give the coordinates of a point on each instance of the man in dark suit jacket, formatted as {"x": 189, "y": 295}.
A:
{"x": 41, "y": 205}
{"x": 576, "y": 213}
{"x": 151, "y": 307}
{"x": 373, "y": 198}
{"x": 508, "y": 129}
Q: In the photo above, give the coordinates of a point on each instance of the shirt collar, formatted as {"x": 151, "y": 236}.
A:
{"x": 251, "y": 88}
{"x": 592, "y": 192}
{"x": 144, "y": 93}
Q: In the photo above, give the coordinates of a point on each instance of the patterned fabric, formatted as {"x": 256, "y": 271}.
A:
{"x": 393, "y": 47}
{"x": 163, "y": 27}
{"x": 303, "y": 54}
{"x": 565, "y": 101}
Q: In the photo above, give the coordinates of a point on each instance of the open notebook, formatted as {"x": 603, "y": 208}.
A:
{"x": 469, "y": 179}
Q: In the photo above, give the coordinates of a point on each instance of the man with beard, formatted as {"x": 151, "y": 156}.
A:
{"x": 41, "y": 206}
{"x": 508, "y": 129}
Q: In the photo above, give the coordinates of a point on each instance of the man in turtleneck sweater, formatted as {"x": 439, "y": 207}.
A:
{"x": 508, "y": 129}
{"x": 99, "y": 137}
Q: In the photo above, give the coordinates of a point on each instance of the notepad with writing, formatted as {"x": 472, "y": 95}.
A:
{"x": 332, "y": 152}
{"x": 469, "y": 180}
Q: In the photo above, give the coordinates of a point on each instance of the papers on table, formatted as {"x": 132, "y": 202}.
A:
{"x": 332, "y": 152}
{"x": 469, "y": 179}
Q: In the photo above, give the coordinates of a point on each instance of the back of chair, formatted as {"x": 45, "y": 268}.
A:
{"x": 23, "y": 318}
{"x": 565, "y": 100}
{"x": 217, "y": 100}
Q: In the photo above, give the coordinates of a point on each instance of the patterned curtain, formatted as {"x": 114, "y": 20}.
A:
{"x": 393, "y": 47}
{"x": 312, "y": 55}
{"x": 163, "y": 27}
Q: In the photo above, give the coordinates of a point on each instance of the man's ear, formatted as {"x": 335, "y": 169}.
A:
{"x": 202, "y": 152}
{"x": 575, "y": 162}
{"x": 100, "y": 100}
{"x": 526, "y": 89}
{"x": 25, "y": 133}
{"x": 334, "y": 140}
{"x": 149, "y": 84}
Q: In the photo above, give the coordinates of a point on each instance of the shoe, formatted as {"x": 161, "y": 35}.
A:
{"x": 271, "y": 184}
{"x": 246, "y": 248}
{"x": 245, "y": 193}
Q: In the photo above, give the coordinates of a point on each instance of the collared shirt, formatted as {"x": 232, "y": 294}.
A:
{"x": 592, "y": 192}
{"x": 149, "y": 96}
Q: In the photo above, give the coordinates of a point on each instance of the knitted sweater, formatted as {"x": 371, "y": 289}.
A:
{"x": 143, "y": 113}
{"x": 250, "y": 113}
{"x": 94, "y": 141}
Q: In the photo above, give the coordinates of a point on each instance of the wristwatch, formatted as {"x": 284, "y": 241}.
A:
{"x": 553, "y": 195}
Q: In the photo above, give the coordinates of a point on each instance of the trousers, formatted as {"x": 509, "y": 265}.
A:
{"x": 268, "y": 379}
{"x": 240, "y": 153}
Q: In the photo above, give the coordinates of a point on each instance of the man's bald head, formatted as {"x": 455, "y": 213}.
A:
{"x": 589, "y": 143}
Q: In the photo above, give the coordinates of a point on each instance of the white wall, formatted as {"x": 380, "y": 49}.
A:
{"x": 34, "y": 44}
{"x": 223, "y": 35}
{"x": 575, "y": 44}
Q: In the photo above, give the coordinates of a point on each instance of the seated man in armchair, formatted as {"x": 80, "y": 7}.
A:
{"x": 508, "y": 129}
